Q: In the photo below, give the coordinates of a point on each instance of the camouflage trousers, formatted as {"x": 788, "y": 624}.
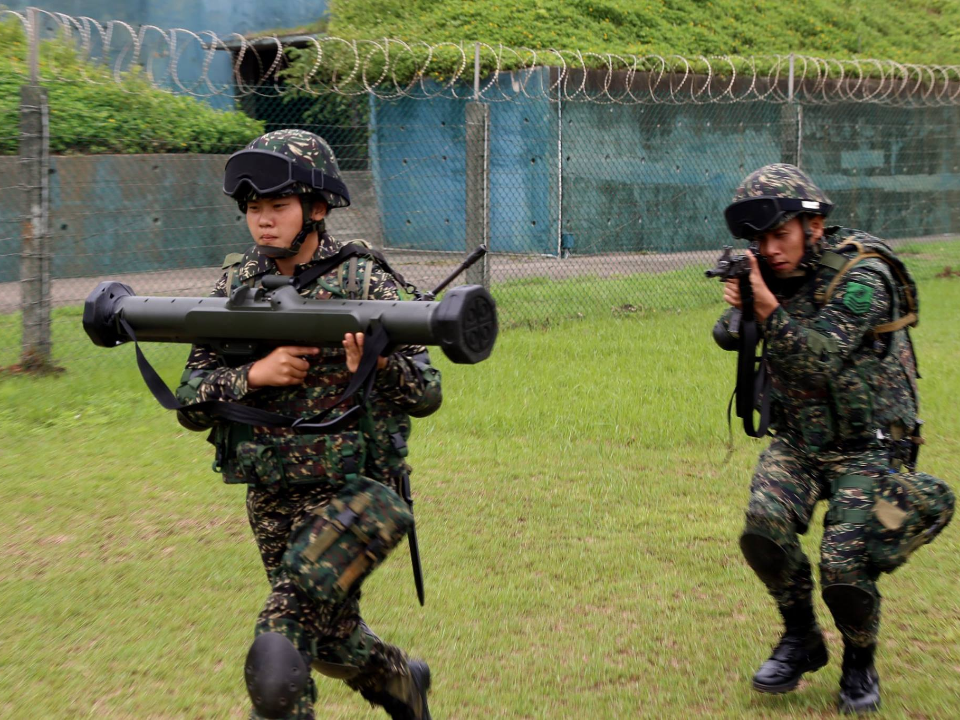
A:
{"x": 786, "y": 486}
{"x": 340, "y": 641}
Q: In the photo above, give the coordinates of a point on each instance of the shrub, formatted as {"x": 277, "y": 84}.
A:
{"x": 90, "y": 112}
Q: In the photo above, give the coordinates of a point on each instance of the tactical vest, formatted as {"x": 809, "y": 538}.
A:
{"x": 277, "y": 457}
{"x": 875, "y": 388}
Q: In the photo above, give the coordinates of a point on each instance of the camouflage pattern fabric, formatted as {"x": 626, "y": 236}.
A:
{"x": 330, "y": 556}
{"x": 786, "y": 486}
{"x": 834, "y": 386}
{"x": 833, "y": 381}
{"x": 293, "y": 476}
{"x": 304, "y": 148}
{"x": 909, "y": 510}
{"x": 780, "y": 180}
{"x": 341, "y": 637}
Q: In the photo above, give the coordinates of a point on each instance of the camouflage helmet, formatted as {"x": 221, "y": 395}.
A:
{"x": 771, "y": 196}
{"x": 283, "y": 163}
{"x": 309, "y": 168}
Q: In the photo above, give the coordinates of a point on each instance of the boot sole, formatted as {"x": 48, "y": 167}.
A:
{"x": 788, "y": 686}
{"x": 846, "y": 709}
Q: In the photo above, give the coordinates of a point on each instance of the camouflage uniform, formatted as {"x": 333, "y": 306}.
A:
{"x": 838, "y": 391}
{"x": 291, "y": 475}
{"x": 843, "y": 405}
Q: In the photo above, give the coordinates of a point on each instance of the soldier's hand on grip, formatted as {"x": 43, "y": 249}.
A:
{"x": 764, "y": 301}
{"x": 285, "y": 365}
{"x": 731, "y": 293}
{"x": 353, "y": 344}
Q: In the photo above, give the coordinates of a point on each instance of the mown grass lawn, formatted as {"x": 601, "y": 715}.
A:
{"x": 577, "y": 515}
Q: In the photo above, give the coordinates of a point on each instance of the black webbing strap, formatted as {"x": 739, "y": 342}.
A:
{"x": 346, "y": 251}
{"x": 753, "y": 383}
{"x": 374, "y": 344}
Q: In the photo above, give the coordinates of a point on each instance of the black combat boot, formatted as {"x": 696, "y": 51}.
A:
{"x": 405, "y": 698}
{"x": 859, "y": 683}
{"x": 801, "y": 649}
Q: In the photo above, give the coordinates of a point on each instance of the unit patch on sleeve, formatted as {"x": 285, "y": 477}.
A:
{"x": 858, "y": 297}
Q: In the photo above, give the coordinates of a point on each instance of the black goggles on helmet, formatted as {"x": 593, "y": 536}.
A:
{"x": 753, "y": 216}
{"x": 269, "y": 173}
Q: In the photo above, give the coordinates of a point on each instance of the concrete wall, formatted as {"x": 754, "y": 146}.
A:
{"x": 141, "y": 213}
{"x": 657, "y": 177}
{"x": 642, "y": 178}
{"x": 897, "y": 169}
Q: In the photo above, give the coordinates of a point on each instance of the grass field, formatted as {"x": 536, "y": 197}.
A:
{"x": 576, "y": 513}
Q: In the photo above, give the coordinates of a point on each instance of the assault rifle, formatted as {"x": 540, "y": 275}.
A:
{"x": 752, "y": 391}
{"x": 253, "y": 320}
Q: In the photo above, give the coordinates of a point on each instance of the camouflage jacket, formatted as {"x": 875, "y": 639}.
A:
{"x": 375, "y": 445}
{"x": 835, "y": 383}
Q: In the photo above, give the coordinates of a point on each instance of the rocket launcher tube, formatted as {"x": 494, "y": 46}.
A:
{"x": 463, "y": 324}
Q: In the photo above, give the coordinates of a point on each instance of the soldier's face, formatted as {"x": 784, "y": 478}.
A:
{"x": 785, "y": 246}
{"x": 276, "y": 221}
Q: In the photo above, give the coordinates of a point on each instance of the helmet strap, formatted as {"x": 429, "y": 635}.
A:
{"x": 309, "y": 225}
{"x": 812, "y": 249}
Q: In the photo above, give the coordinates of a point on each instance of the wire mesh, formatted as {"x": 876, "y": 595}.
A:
{"x": 607, "y": 175}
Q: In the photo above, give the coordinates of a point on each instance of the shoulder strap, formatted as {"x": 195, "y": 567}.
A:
{"x": 347, "y": 251}
{"x": 838, "y": 262}
{"x": 230, "y": 263}
{"x": 348, "y": 279}
{"x": 231, "y": 259}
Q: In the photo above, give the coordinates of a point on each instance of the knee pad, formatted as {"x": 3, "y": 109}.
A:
{"x": 333, "y": 553}
{"x": 767, "y": 558}
{"x": 851, "y": 606}
{"x": 276, "y": 675}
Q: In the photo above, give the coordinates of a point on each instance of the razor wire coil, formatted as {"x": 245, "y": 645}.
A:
{"x": 390, "y": 68}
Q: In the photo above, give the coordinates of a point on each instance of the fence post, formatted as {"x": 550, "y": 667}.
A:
{"x": 35, "y": 239}
{"x": 478, "y": 179}
{"x": 791, "y": 122}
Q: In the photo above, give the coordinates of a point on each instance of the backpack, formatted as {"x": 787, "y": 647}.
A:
{"x": 906, "y": 305}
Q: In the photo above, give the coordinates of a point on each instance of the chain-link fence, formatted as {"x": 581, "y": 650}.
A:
{"x": 598, "y": 183}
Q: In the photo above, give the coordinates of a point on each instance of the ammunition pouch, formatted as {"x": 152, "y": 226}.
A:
{"x": 241, "y": 460}
{"x": 301, "y": 460}
{"x": 904, "y": 447}
{"x": 910, "y": 509}
{"x": 331, "y": 555}
{"x": 225, "y": 436}
{"x": 817, "y": 425}
{"x": 260, "y": 464}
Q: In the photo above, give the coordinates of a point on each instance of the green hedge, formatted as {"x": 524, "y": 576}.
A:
{"x": 91, "y": 113}
{"x": 916, "y": 31}
{"x": 907, "y": 31}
